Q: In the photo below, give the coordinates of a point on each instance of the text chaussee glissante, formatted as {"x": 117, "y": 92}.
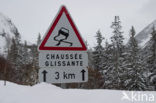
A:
{"x": 66, "y": 60}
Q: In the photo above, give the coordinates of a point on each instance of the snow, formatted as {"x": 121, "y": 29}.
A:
{"x": 144, "y": 36}
{"x": 8, "y": 27}
{"x": 47, "y": 93}
{"x": 2, "y": 45}
{"x": 145, "y": 41}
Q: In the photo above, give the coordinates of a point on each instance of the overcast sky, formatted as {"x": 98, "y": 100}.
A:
{"x": 34, "y": 16}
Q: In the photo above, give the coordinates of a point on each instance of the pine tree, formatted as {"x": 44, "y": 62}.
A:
{"x": 117, "y": 56}
{"x": 98, "y": 50}
{"x": 151, "y": 60}
{"x": 17, "y": 36}
{"x": 35, "y": 59}
{"x": 12, "y": 55}
{"x": 134, "y": 74}
{"x": 25, "y": 54}
{"x": 117, "y": 38}
{"x": 107, "y": 66}
{"x": 15, "y": 56}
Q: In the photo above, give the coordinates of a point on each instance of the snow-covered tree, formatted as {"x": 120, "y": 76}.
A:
{"x": 12, "y": 55}
{"x": 151, "y": 60}
{"x": 115, "y": 73}
{"x": 107, "y": 65}
{"x": 15, "y": 56}
{"x": 117, "y": 38}
{"x": 134, "y": 73}
{"x": 17, "y": 36}
{"x": 98, "y": 51}
{"x": 25, "y": 54}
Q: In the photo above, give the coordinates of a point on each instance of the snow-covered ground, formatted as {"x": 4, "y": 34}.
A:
{"x": 47, "y": 93}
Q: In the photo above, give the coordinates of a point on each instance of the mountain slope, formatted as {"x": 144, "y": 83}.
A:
{"x": 144, "y": 36}
{"x": 7, "y": 29}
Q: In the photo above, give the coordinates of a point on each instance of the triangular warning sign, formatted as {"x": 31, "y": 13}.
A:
{"x": 63, "y": 34}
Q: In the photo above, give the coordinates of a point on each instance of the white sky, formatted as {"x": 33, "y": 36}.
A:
{"x": 34, "y": 16}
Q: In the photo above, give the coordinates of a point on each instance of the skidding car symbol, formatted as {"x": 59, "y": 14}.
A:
{"x": 64, "y": 32}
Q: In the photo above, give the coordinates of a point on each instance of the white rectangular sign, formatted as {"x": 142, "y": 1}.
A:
{"x": 63, "y": 59}
{"x": 66, "y": 75}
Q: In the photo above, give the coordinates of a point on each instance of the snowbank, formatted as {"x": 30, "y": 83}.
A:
{"x": 47, "y": 93}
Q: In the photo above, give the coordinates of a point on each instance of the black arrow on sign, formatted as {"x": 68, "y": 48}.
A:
{"x": 83, "y": 74}
{"x": 44, "y": 75}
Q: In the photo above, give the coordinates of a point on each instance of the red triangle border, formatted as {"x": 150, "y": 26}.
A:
{"x": 42, "y": 45}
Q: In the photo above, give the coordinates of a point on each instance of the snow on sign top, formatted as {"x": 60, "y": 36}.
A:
{"x": 63, "y": 34}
